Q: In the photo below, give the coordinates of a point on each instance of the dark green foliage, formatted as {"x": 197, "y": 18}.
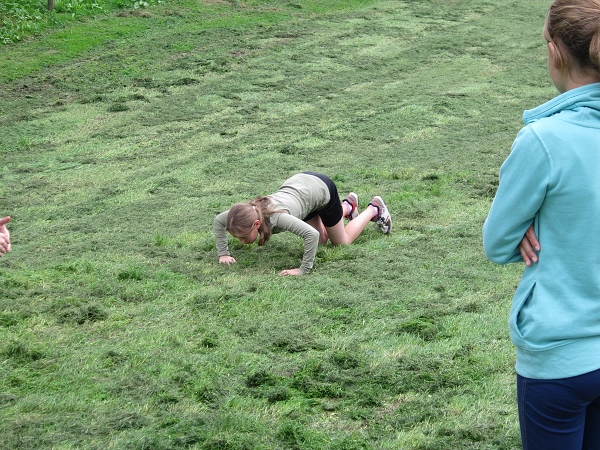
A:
{"x": 22, "y": 18}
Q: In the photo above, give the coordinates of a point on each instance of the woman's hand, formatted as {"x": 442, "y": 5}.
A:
{"x": 289, "y": 272}
{"x": 226, "y": 259}
{"x": 4, "y": 236}
{"x": 528, "y": 247}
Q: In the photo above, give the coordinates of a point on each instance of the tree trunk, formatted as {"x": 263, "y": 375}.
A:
{"x": 50, "y": 5}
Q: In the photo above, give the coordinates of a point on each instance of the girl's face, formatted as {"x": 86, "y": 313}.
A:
{"x": 250, "y": 237}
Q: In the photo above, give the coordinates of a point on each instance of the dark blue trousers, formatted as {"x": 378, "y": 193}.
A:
{"x": 561, "y": 414}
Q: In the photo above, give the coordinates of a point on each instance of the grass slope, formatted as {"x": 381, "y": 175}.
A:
{"x": 123, "y": 137}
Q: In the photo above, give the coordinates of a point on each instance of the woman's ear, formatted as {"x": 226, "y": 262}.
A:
{"x": 554, "y": 56}
{"x": 558, "y": 66}
{"x": 257, "y": 223}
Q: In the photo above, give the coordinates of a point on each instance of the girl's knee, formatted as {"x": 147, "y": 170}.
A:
{"x": 336, "y": 242}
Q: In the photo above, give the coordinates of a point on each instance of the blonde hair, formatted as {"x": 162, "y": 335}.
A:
{"x": 574, "y": 27}
{"x": 241, "y": 218}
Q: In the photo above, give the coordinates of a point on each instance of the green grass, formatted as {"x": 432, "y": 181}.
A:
{"x": 124, "y": 135}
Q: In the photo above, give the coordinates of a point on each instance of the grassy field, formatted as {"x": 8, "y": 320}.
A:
{"x": 122, "y": 137}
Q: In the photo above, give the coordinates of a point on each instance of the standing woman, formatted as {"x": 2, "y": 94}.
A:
{"x": 308, "y": 205}
{"x": 547, "y": 213}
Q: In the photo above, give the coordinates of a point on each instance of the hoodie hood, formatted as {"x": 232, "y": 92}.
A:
{"x": 587, "y": 96}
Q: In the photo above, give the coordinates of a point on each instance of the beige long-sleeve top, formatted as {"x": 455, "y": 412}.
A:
{"x": 298, "y": 197}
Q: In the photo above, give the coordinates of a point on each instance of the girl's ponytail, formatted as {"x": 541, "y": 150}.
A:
{"x": 574, "y": 26}
{"x": 595, "y": 49}
{"x": 262, "y": 205}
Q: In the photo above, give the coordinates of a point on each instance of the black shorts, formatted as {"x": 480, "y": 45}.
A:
{"x": 332, "y": 212}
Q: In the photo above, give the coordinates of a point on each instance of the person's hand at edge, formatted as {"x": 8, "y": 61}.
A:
{"x": 4, "y": 235}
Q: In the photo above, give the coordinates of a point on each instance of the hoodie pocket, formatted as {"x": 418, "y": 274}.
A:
{"x": 520, "y": 314}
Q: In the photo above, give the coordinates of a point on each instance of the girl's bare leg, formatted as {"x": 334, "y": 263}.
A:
{"x": 317, "y": 224}
{"x": 340, "y": 235}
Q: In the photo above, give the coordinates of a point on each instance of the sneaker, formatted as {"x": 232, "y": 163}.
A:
{"x": 352, "y": 200}
{"x": 383, "y": 219}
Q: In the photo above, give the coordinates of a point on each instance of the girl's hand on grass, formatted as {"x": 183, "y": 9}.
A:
{"x": 226, "y": 259}
{"x": 4, "y": 236}
{"x": 528, "y": 246}
{"x": 289, "y": 272}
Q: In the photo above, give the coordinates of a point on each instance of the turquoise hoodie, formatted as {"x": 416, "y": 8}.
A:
{"x": 552, "y": 179}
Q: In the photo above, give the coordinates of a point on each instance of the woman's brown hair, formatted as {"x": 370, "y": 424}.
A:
{"x": 574, "y": 26}
{"x": 241, "y": 217}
